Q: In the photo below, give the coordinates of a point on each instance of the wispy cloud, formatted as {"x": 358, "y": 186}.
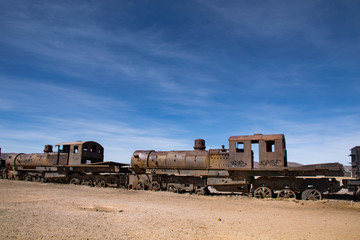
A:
{"x": 33, "y": 96}
{"x": 270, "y": 19}
{"x": 296, "y": 21}
{"x": 88, "y": 52}
{"x": 84, "y": 43}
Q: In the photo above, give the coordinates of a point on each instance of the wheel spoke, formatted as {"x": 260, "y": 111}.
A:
{"x": 286, "y": 193}
{"x": 155, "y": 186}
{"x": 311, "y": 194}
{"x": 263, "y": 192}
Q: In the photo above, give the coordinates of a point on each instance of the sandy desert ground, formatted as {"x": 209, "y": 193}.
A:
{"x": 30, "y": 210}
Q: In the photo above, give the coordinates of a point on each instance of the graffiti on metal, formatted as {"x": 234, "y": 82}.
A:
{"x": 239, "y": 163}
{"x": 270, "y": 162}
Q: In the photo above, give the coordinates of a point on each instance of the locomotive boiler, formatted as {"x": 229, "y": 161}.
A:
{"x": 197, "y": 159}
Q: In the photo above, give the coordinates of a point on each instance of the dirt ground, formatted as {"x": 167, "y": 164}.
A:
{"x": 30, "y": 210}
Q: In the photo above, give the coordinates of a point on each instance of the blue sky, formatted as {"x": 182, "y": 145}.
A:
{"x": 158, "y": 74}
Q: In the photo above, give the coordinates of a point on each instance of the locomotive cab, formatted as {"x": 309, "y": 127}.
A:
{"x": 77, "y": 153}
{"x": 271, "y": 150}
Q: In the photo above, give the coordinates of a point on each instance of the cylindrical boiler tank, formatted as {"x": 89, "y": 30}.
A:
{"x": 35, "y": 159}
{"x": 184, "y": 160}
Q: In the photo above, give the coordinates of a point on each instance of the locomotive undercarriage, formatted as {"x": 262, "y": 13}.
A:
{"x": 172, "y": 183}
{"x": 235, "y": 182}
{"x": 293, "y": 187}
{"x": 109, "y": 174}
{"x": 307, "y": 188}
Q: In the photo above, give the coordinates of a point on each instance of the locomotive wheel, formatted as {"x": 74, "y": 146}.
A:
{"x": 35, "y": 178}
{"x": 139, "y": 185}
{"x": 263, "y": 192}
{"x": 100, "y": 182}
{"x": 200, "y": 191}
{"x": 155, "y": 186}
{"x": 286, "y": 193}
{"x": 311, "y": 194}
{"x": 357, "y": 194}
{"x": 172, "y": 188}
{"x": 75, "y": 181}
{"x": 87, "y": 182}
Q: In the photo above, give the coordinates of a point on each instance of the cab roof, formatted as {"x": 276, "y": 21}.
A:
{"x": 76, "y": 143}
{"x": 257, "y": 137}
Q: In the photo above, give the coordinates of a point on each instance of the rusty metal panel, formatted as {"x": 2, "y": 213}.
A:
{"x": 139, "y": 160}
{"x": 197, "y": 159}
{"x": 75, "y": 154}
{"x": 272, "y": 154}
{"x": 176, "y": 159}
{"x": 240, "y": 157}
{"x": 157, "y": 159}
{"x": 219, "y": 159}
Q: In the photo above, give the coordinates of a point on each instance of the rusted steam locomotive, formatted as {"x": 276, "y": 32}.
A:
{"x": 74, "y": 162}
{"x": 199, "y": 171}
{"x": 233, "y": 170}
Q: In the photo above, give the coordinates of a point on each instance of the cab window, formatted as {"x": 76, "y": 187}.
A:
{"x": 76, "y": 149}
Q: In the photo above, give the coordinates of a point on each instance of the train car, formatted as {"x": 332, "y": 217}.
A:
{"x": 233, "y": 170}
{"x": 75, "y": 162}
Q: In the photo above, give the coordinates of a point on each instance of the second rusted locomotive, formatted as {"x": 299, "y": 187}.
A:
{"x": 233, "y": 169}
{"x": 239, "y": 156}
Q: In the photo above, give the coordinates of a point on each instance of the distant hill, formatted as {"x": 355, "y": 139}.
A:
{"x": 294, "y": 164}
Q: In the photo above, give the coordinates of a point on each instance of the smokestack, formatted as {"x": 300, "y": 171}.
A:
{"x": 199, "y": 144}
